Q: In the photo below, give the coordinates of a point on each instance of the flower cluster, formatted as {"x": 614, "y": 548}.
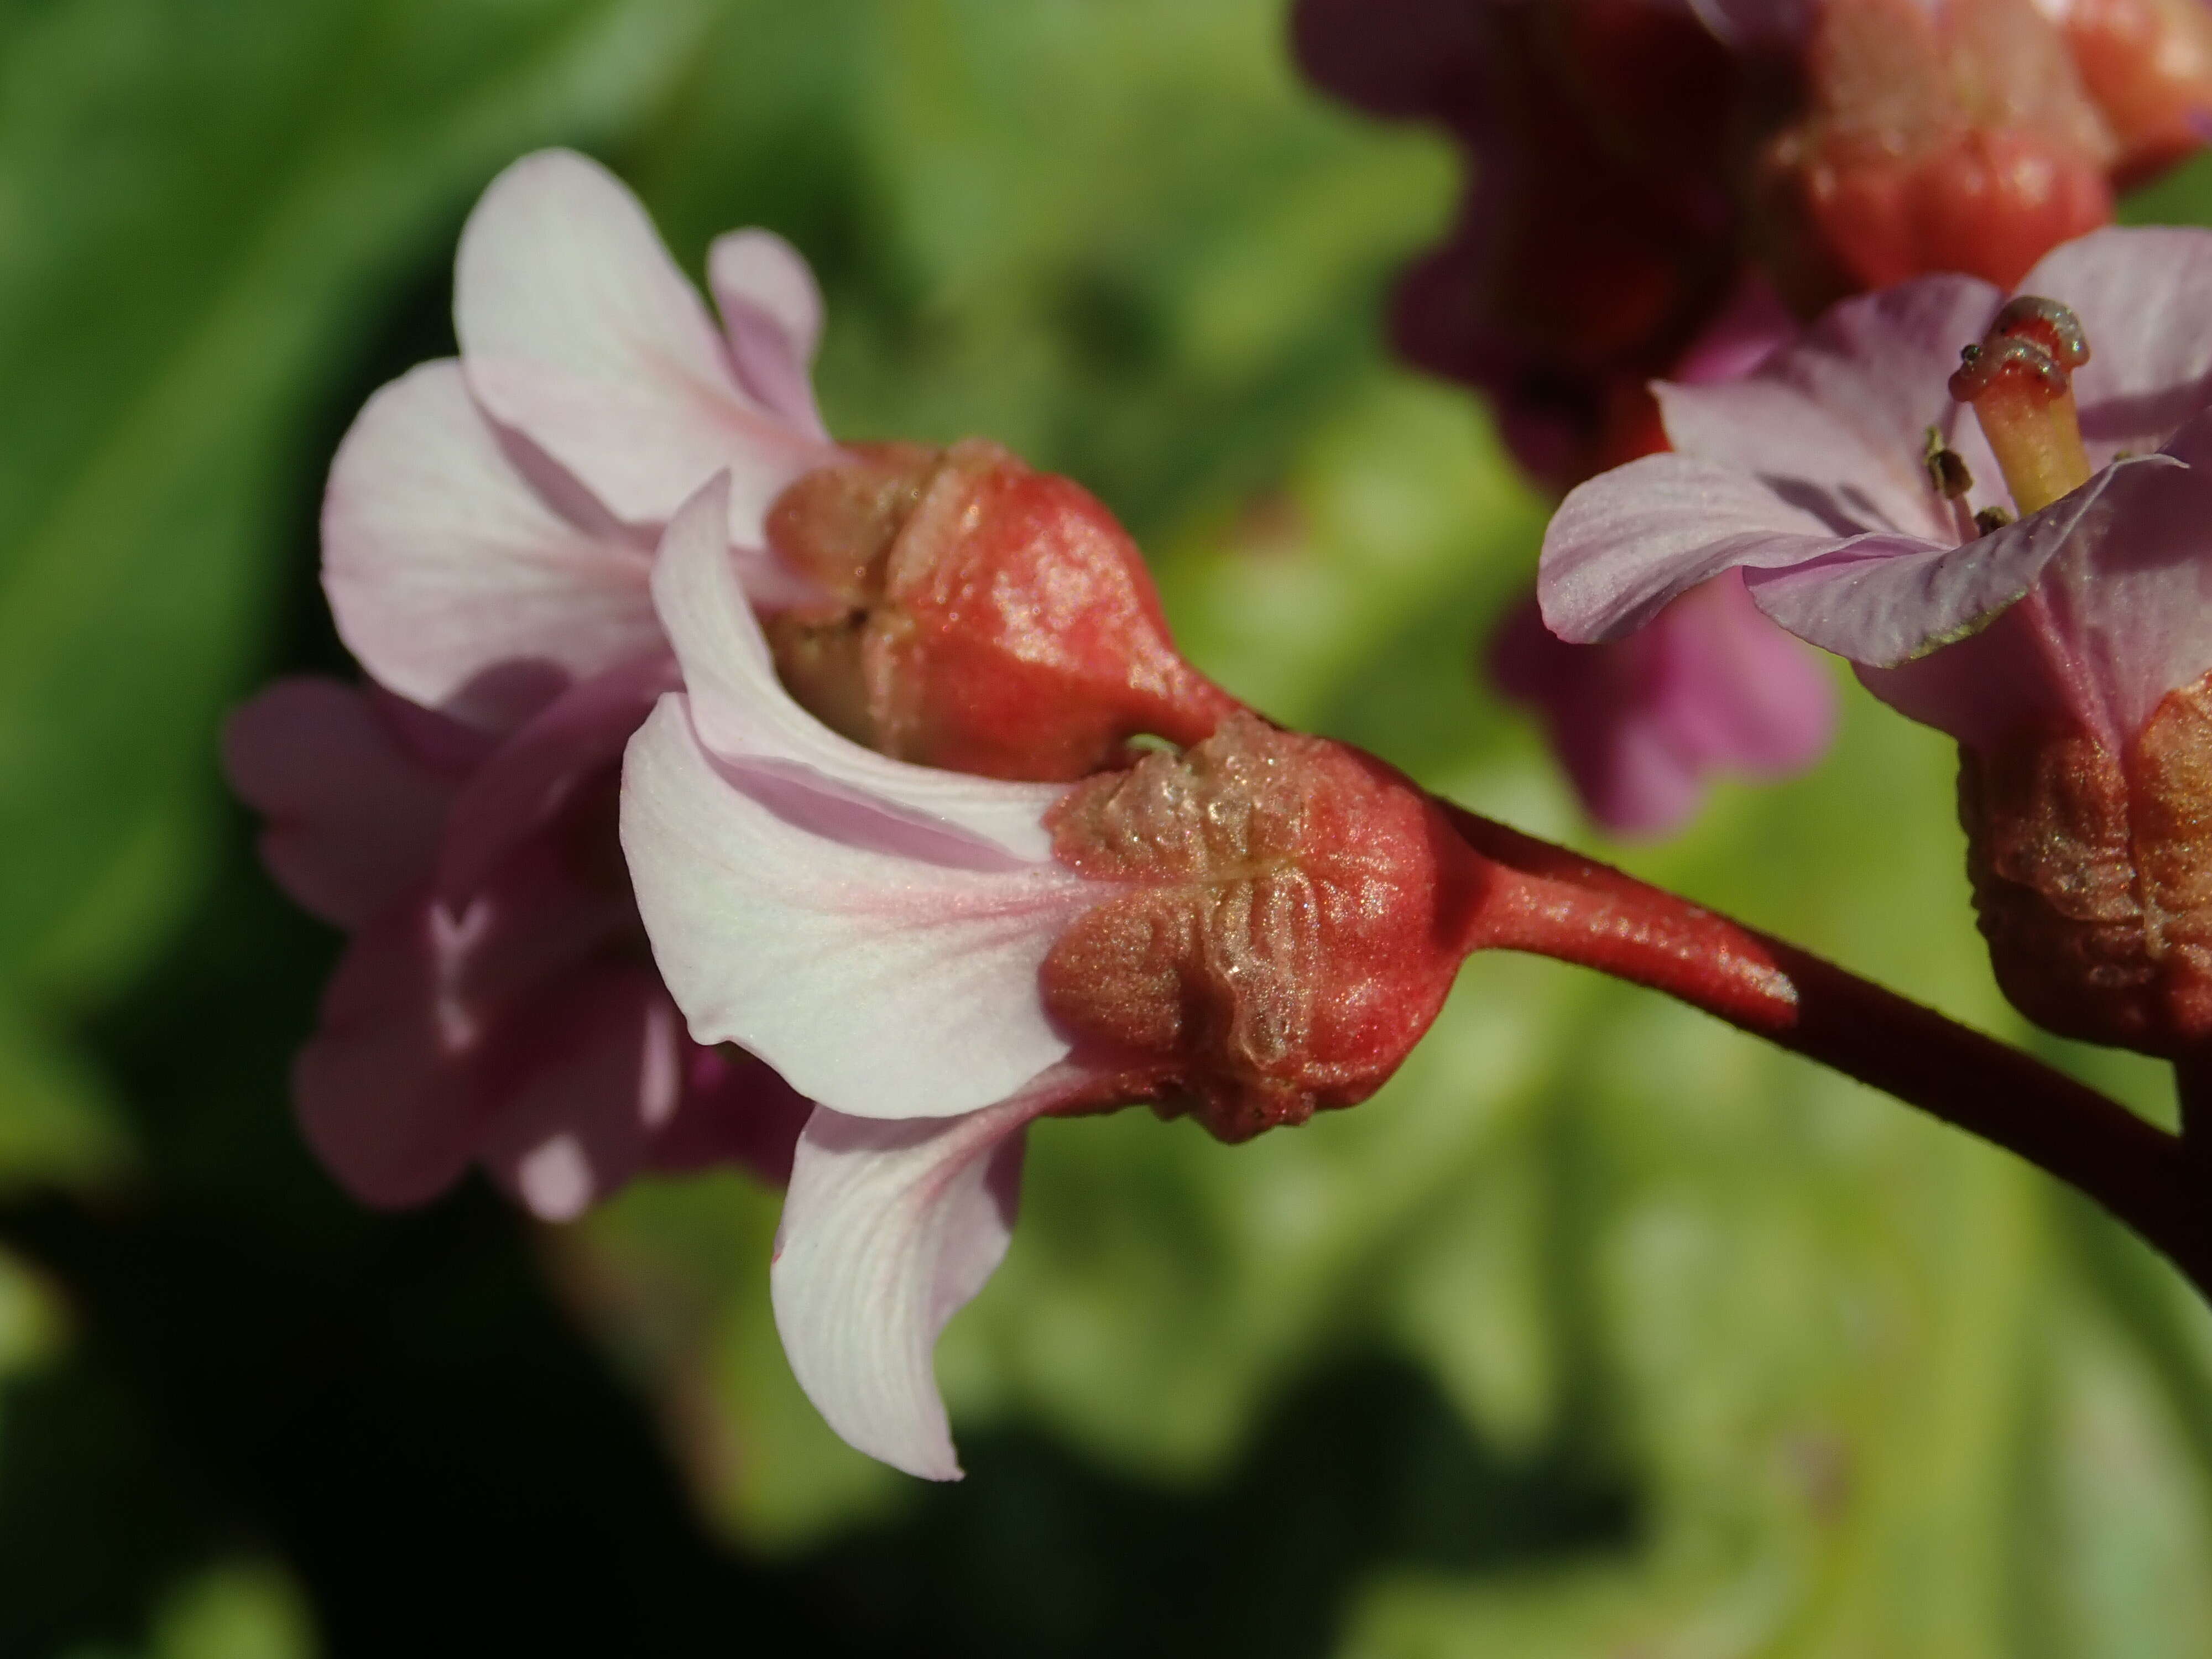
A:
{"x": 2013, "y": 549}
{"x": 723, "y": 792}
{"x": 1646, "y": 176}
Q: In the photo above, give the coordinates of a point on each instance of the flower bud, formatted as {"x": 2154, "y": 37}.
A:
{"x": 1294, "y": 916}
{"x": 1950, "y": 137}
{"x": 2093, "y": 876}
{"x": 2147, "y": 63}
{"x": 980, "y": 617}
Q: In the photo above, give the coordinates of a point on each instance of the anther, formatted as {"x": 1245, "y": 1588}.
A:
{"x": 1948, "y": 472}
{"x": 2018, "y": 379}
{"x": 1991, "y": 518}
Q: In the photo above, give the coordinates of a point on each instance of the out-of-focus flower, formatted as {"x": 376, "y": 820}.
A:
{"x": 502, "y": 1011}
{"x": 2147, "y": 63}
{"x": 1710, "y": 687}
{"x": 1934, "y": 135}
{"x": 1598, "y": 233}
{"x": 1249, "y": 930}
{"x": 2035, "y": 580}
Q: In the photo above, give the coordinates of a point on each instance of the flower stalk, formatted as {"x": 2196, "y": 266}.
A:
{"x": 1551, "y": 901}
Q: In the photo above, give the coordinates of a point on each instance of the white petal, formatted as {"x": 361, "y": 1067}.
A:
{"x": 876, "y": 979}
{"x": 888, "y": 1230}
{"x": 743, "y": 714}
{"x": 451, "y": 580}
{"x": 578, "y": 330}
{"x": 772, "y": 317}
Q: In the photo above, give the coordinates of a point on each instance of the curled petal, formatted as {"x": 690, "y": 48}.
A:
{"x": 1882, "y": 600}
{"x": 877, "y": 981}
{"x": 1628, "y": 542}
{"x": 354, "y": 814}
{"x": 772, "y": 317}
{"x": 743, "y": 714}
{"x": 578, "y": 330}
{"x": 889, "y": 1229}
{"x": 454, "y": 581}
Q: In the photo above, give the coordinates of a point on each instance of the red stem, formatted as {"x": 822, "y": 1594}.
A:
{"x": 1557, "y": 904}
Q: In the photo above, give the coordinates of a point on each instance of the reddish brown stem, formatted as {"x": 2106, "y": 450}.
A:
{"x": 1557, "y": 904}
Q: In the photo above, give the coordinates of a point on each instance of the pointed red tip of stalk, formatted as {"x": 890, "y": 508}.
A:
{"x": 1294, "y": 913}
{"x": 985, "y": 617}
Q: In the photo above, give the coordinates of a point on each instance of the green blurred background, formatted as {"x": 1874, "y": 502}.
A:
{"x": 1603, "y": 1331}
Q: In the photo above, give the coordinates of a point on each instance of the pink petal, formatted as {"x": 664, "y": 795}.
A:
{"x": 452, "y": 578}
{"x": 877, "y": 982}
{"x": 578, "y": 330}
{"x": 1642, "y": 724}
{"x": 1881, "y": 600}
{"x": 529, "y": 779}
{"x": 743, "y": 714}
{"x": 1628, "y": 542}
{"x": 353, "y": 816}
{"x": 1835, "y": 423}
{"x": 772, "y": 317}
{"x": 591, "y": 1074}
{"x": 889, "y": 1229}
{"x": 391, "y": 1090}
{"x": 2145, "y": 300}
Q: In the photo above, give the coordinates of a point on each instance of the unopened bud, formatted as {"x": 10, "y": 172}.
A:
{"x": 1951, "y": 138}
{"x": 2093, "y": 876}
{"x": 1295, "y": 911}
{"x": 2147, "y": 63}
{"x": 984, "y": 617}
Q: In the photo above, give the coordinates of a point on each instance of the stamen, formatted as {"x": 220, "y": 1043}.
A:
{"x": 1947, "y": 469}
{"x": 2018, "y": 380}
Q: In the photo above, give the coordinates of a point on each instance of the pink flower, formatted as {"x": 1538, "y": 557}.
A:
{"x": 1643, "y": 724}
{"x": 1249, "y": 930}
{"x": 1810, "y": 476}
{"x": 500, "y": 1010}
{"x": 488, "y": 538}
{"x": 2033, "y": 578}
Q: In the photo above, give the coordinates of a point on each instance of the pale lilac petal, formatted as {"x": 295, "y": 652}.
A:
{"x": 743, "y": 714}
{"x": 1837, "y": 421}
{"x": 1882, "y": 601}
{"x": 2134, "y": 601}
{"x": 888, "y": 1230}
{"x": 578, "y": 330}
{"x": 1981, "y": 688}
{"x": 878, "y": 983}
{"x": 536, "y": 772}
{"x": 353, "y": 816}
{"x": 1628, "y": 542}
{"x": 2145, "y": 300}
{"x": 1752, "y": 326}
{"x": 772, "y": 317}
{"x": 452, "y": 578}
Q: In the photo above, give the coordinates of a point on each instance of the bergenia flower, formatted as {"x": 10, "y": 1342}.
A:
{"x": 1249, "y": 930}
{"x": 488, "y": 535}
{"x": 2028, "y": 569}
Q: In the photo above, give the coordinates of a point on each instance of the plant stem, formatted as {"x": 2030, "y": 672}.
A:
{"x": 1556, "y": 903}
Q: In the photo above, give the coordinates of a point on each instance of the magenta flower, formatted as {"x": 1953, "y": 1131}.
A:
{"x": 1249, "y": 930}
{"x": 496, "y": 1005}
{"x": 488, "y": 539}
